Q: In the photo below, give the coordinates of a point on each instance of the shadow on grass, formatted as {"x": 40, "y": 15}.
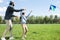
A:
{"x": 15, "y": 38}
{"x": 34, "y": 32}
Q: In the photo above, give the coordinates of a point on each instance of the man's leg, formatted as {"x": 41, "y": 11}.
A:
{"x": 10, "y": 30}
{"x": 6, "y": 30}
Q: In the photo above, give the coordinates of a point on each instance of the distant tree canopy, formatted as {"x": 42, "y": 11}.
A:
{"x": 36, "y": 20}
{"x": 0, "y": 19}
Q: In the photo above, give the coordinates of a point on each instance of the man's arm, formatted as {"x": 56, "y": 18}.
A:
{"x": 13, "y": 16}
{"x": 15, "y": 10}
{"x": 18, "y": 10}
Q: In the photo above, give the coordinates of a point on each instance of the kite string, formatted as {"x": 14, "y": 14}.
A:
{"x": 51, "y": 1}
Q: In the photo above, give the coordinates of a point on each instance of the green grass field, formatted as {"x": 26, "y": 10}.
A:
{"x": 36, "y": 31}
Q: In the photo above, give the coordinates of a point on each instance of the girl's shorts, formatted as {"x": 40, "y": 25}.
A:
{"x": 23, "y": 23}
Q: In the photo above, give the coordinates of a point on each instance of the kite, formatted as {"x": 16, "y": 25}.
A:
{"x": 52, "y": 7}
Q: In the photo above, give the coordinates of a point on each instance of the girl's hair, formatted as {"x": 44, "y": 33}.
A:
{"x": 23, "y": 13}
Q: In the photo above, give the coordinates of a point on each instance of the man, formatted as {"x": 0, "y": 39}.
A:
{"x": 8, "y": 16}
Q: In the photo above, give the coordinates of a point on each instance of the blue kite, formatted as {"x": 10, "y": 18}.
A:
{"x": 52, "y": 7}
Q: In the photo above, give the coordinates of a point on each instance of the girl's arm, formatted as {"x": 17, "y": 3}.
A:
{"x": 29, "y": 14}
{"x": 24, "y": 18}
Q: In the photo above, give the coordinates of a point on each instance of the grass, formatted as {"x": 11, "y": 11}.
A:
{"x": 36, "y": 31}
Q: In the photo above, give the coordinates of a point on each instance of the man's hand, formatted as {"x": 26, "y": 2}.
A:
{"x": 23, "y": 9}
{"x": 16, "y": 16}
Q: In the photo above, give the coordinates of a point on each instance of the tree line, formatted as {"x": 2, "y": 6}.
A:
{"x": 36, "y": 20}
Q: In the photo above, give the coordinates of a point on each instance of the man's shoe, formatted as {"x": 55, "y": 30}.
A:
{"x": 3, "y": 38}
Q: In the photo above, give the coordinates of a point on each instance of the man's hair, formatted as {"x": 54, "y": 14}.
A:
{"x": 11, "y": 3}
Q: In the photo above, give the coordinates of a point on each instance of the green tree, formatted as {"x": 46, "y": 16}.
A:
{"x": 51, "y": 19}
{"x": 15, "y": 20}
{"x": 55, "y": 19}
{"x": 31, "y": 19}
{"x": 0, "y": 19}
{"x": 38, "y": 20}
{"x": 46, "y": 19}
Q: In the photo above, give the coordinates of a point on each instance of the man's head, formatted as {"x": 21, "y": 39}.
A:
{"x": 11, "y": 3}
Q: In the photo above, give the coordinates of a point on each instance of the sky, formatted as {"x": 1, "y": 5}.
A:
{"x": 38, "y": 7}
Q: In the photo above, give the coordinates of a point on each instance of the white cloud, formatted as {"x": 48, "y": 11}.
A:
{"x": 1, "y": 1}
{"x": 2, "y": 9}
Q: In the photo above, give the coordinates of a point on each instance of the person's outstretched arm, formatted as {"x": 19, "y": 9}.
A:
{"x": 13, "y": 16}
{"x": 18, "y": 10}
{"x": 29, "y": 14}
{"x": 15, "y": 10}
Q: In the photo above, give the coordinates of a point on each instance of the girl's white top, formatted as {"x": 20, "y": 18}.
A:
{"x": 24, "y": 18}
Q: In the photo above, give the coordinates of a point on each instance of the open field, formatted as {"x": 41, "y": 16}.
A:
{"x": 36, "y": 31}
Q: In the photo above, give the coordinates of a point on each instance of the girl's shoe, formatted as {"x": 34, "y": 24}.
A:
{"x": 23, "y": 38}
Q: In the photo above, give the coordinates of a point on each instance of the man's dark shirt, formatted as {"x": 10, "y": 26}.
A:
{"x": 9, "y": 12}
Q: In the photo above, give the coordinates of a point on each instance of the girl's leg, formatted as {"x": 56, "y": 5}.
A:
{"x": 26, "y": 29}
{"x": 23, "y": 32}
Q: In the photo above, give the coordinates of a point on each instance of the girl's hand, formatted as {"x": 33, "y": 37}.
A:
{"x": 31, "y": 11}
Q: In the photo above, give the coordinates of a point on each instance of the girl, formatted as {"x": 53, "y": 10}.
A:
{"x": 23, "y": 20}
